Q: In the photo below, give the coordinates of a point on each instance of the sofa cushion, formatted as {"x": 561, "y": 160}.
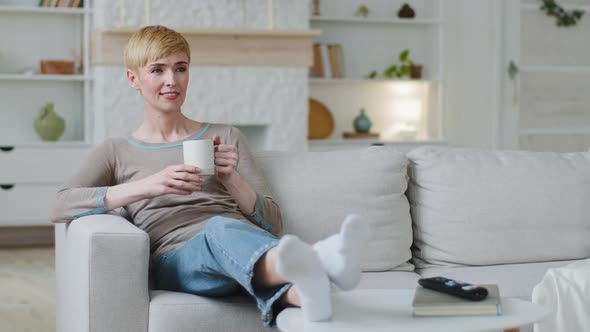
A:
{"x": 316, "y": 190}
{"x": 180, "y": 312}
{"x": 479, "y": 207}
{"x": 514, "y": 280}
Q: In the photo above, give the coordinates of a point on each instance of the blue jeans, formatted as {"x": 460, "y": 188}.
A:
{"x": 219, "y": 261}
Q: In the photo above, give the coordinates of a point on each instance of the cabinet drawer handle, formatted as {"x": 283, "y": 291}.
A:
{"x": 6, "y": 148}
{"x": 6, "y": 186}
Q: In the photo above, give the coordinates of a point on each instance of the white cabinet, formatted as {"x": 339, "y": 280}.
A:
{"x": 395, "y": 106}
{"x": 30, "y": 176}
{"x": 32, "y": 170}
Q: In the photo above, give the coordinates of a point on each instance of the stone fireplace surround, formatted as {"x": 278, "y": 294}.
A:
{"x": 267, "y": 102}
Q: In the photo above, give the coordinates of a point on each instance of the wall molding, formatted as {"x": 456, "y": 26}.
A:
{"x": 221, "y": 47}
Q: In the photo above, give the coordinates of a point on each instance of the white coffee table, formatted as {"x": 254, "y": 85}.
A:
{"x": 391, "y": 310}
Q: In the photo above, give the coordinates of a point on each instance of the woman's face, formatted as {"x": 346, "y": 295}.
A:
{"x": 162, "y": 82}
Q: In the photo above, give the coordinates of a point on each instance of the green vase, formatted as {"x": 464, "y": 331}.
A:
{"x": 49, "y": 125}
{"x": 362, "y": 124}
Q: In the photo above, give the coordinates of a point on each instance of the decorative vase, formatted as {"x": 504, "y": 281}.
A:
{"x": 362, "y": 11}
{"x": 362, "y": 124}
{"x": 406, "y": 12}
{"x": 49, "y": 125}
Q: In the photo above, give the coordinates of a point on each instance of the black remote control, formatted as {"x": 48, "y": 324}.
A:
{"x": 455, "y": 288}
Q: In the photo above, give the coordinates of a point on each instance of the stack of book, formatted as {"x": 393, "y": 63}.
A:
{"x": 328, "y": 61}
{"x": 432, "y": 303}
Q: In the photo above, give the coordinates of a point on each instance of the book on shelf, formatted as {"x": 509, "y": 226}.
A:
{"x": 432, "y": 303}
{"x": 317, "y": 70}
{"x": 327, "y": 61}
{"x": 336, "y": 60}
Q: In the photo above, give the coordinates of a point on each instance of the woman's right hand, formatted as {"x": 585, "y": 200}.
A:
{"x": 176, "y": 179}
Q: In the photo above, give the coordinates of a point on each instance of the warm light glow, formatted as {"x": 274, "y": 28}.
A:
{"x": 408, "y": 110}
{"x": 405, "y": 89}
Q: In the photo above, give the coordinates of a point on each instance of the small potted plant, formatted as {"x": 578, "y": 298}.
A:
{"x": 405, "y": 68}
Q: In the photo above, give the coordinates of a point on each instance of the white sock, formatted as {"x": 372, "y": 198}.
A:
{"x": 299, "y": 264}
{"x": 341, "y": 254}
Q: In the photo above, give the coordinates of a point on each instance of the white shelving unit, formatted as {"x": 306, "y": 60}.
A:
{"x": 37, "y": 77}
{"x": 33, "y": 170}
{"x": 28, "y": 35}
{"x": 374, "y": 43}
{"x": 359, "y": 20}
{"x": 43, "y": 10}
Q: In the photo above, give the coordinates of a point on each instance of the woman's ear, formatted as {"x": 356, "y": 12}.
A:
{"x": 132, "y": 79}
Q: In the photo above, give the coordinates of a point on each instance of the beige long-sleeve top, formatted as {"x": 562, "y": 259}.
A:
{"x": 170, "y": 220}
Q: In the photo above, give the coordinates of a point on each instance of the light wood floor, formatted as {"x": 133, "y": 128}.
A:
{"x": 27, "y": 290}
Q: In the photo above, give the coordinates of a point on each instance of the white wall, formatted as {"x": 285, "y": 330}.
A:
{"x": 473, "y": 69}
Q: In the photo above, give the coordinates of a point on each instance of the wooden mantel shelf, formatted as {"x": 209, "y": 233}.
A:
{"x": 230, "y": 47}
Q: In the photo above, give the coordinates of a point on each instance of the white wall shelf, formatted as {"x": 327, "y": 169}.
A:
{"x": 360, "y": 20}
{"x": 42, "y": 10}
{"x": 38, "y": 77}
{"x": 353, "y": 144}
{"x": 59, "y": 144}
{"x": 362, "y": 81}
{"x": 31, "y": 34}
{"x": 374, "y": 44}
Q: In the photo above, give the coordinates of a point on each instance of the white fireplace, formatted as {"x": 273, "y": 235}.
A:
{"x": 268, "y": 102}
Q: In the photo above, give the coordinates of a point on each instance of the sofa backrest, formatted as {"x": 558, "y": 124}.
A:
{"x": 478, "y": 207}
{"x": 316, "y": 190}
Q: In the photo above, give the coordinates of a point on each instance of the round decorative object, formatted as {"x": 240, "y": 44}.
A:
{"x": 362, "y": 124}
{"x": 320, "y": 120}
{"x": 49, "y": 125}
{"x": 406, "y": 12}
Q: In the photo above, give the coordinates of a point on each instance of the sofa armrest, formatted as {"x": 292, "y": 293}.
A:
{"x": 101, "y": 275}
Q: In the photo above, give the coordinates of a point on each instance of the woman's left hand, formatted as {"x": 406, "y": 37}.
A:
{"x": 226, "y": 159}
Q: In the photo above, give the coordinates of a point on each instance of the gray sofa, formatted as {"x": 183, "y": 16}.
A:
{"x": 473, "y": 215}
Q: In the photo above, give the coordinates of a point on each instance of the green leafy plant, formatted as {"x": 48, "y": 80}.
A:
{"x": 563, "y": 17}
{"x": 404, "y": 68}
{"x": 397, "y": 70}
{"x": 401, "y": 69}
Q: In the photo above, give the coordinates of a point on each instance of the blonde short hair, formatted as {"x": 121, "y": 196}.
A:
{"x": 151, "y": 43}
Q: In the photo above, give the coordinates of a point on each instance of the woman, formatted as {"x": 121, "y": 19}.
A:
{"x": 209, "y": 235}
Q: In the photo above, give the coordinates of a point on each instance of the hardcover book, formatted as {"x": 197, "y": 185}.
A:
{"x": 432, "y": 303}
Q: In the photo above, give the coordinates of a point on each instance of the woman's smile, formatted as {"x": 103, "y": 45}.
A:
{"x": 170, "y": 95}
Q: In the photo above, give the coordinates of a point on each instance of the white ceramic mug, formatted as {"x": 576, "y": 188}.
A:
{"x": 200, "y": 153}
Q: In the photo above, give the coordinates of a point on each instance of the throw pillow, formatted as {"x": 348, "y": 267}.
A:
{"x": 316, "y": 190}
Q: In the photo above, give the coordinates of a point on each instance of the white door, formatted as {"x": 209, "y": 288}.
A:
{"x": 546, "y": 96}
